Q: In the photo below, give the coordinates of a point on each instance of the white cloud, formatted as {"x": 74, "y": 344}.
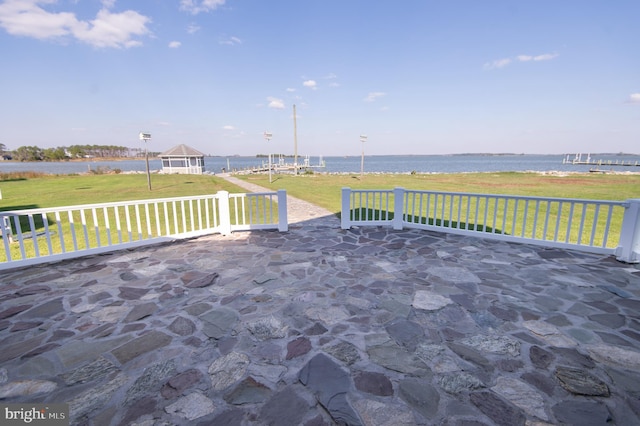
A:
{"x": 310, "y": 84}
{"x": 499, "y": 63}
{"x": 193, "y": 28}
{"x": 175, "y": 44}
{"x": 372, "y": 96}
{"x": 290, "y": 89}
{"x": 231, "y": 41}
{"x": 195, "y": 7}
{"x": 334, "y": 84}
{"x": 228, "y": 127}
{"x": 545, "y": 57}
{"x": 275, "y": 103}
{"x": 114, "y": 29}
{"x": 330, "y": 76}
{"x": 634, "y": 98}
{"x": 27, "y": 18}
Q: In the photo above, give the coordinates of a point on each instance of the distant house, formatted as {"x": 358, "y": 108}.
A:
{"x": 182, "y": 159}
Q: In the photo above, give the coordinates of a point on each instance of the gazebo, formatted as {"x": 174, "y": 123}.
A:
{"x": 182, "y": 159}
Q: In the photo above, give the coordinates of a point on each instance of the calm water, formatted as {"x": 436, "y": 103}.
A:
{"x": 372, "y": 164}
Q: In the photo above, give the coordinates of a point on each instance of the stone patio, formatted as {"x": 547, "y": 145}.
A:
{"x": 322, "y": 326}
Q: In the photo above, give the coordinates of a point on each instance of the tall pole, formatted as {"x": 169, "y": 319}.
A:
{"x": 363, "y": 139}
{"x": 146, "y": 137}
{"x": 146, "y": 156}
{"x": 295, "y": 141}
{"x": 268, "y": 137}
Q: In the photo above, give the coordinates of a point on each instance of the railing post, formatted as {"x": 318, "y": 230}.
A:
{"x": 283, "y": 221}
{"x": 398, "y": 203}
{"x": 628, "y": 250}
{"x": 345, "y": 215}
{"x": 225, "y": 216}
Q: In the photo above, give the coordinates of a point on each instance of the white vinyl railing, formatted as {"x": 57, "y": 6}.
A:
{"x": 597, "y": 226}
{"x": 50, "y": 234}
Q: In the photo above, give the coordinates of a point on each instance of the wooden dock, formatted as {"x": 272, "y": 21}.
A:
{"x": 283, "y": 167}
{"x": 578, "y": 161}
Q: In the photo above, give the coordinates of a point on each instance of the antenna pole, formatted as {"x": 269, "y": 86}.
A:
{"x": 295, "y": 141}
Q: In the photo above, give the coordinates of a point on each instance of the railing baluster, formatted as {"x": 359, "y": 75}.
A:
{"x": 60, "y": 233}
{"x": 138, "y": 223}
{"x": 546, "y": 221}
{"x": 147, "y": 218}
{"x": 557, "y": 233}
{"x": 504, "y": 216}
{"x": 105, "y": 213}
{"x": 183, "y": 213}
{"x": 594, "y": 226}
{"x": 192, "y": 218}
{"x": 582, "y": 221}
{"x": 127, "y": 212}
{"x": 524, "y": 218}
{"x": 96, "y": 225}
{"x": 606, "y": 228}
{"x": 116, "y": 212}
{"x": 496, "y": 209}
{"x": 156, "y": 211}
{"x": 47, "y": 234}
{"x": 569, "y": 222}
{"x": 73, "y": 231}
{"x": 515, "y": 217}
{"x": 460, "y": 203}
{"x": 20, "y": 237}
{"x": 83, "y": 220}
{"x": 535, "y": 218}
{"x": 199, "y": 210}
{"x": 207, "y": 214}
{"x": 34, "y": 236}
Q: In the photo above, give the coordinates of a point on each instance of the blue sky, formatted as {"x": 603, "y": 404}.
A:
{"x": 415, "y": 76}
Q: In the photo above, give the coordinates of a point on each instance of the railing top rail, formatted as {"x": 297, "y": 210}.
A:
{"x": 110, "y": 204}
{"x": 523, "y": 197}
{"x": 370, "y": 190}
{"x": 253, "y": 194}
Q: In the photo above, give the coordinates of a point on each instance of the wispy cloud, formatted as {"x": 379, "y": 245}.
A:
{"x": 634, "y": 98}
{"x": 290, "y": 89}
{"x": 501, "y": 63}
{"x": 175, "y": 44}
{"x": 193, "y": 28}
{"x": 196, "y": 7}
{"x": 372, "y": 96}
{"x": 275, "y": 103}
{"x": 228, "y": 127}
{"x": 28, "y": 18}
{"x": 311, "y": 84}
{"x": 231, "y": 41}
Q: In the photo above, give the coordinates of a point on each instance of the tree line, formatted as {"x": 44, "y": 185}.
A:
{"x": 34, "y": 153}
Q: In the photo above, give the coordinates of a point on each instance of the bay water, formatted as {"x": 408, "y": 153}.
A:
{"x": 372, "y": 164}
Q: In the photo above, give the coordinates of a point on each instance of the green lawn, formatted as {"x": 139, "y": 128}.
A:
{"x": 69, "y": 190}
{"x": 324, "y": 190}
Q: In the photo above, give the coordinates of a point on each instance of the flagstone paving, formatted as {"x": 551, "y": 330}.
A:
{"x": 322, "y": 326}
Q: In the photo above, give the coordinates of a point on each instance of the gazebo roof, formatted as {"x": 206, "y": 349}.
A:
{"x": 182, "y": 150}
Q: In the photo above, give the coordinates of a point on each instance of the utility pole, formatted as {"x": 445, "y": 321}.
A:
{"x": 295, "y": 141}
{"x": 363, "y": 139}
{"x": 146, "y": 137}
{"x": 268, "y": 136}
